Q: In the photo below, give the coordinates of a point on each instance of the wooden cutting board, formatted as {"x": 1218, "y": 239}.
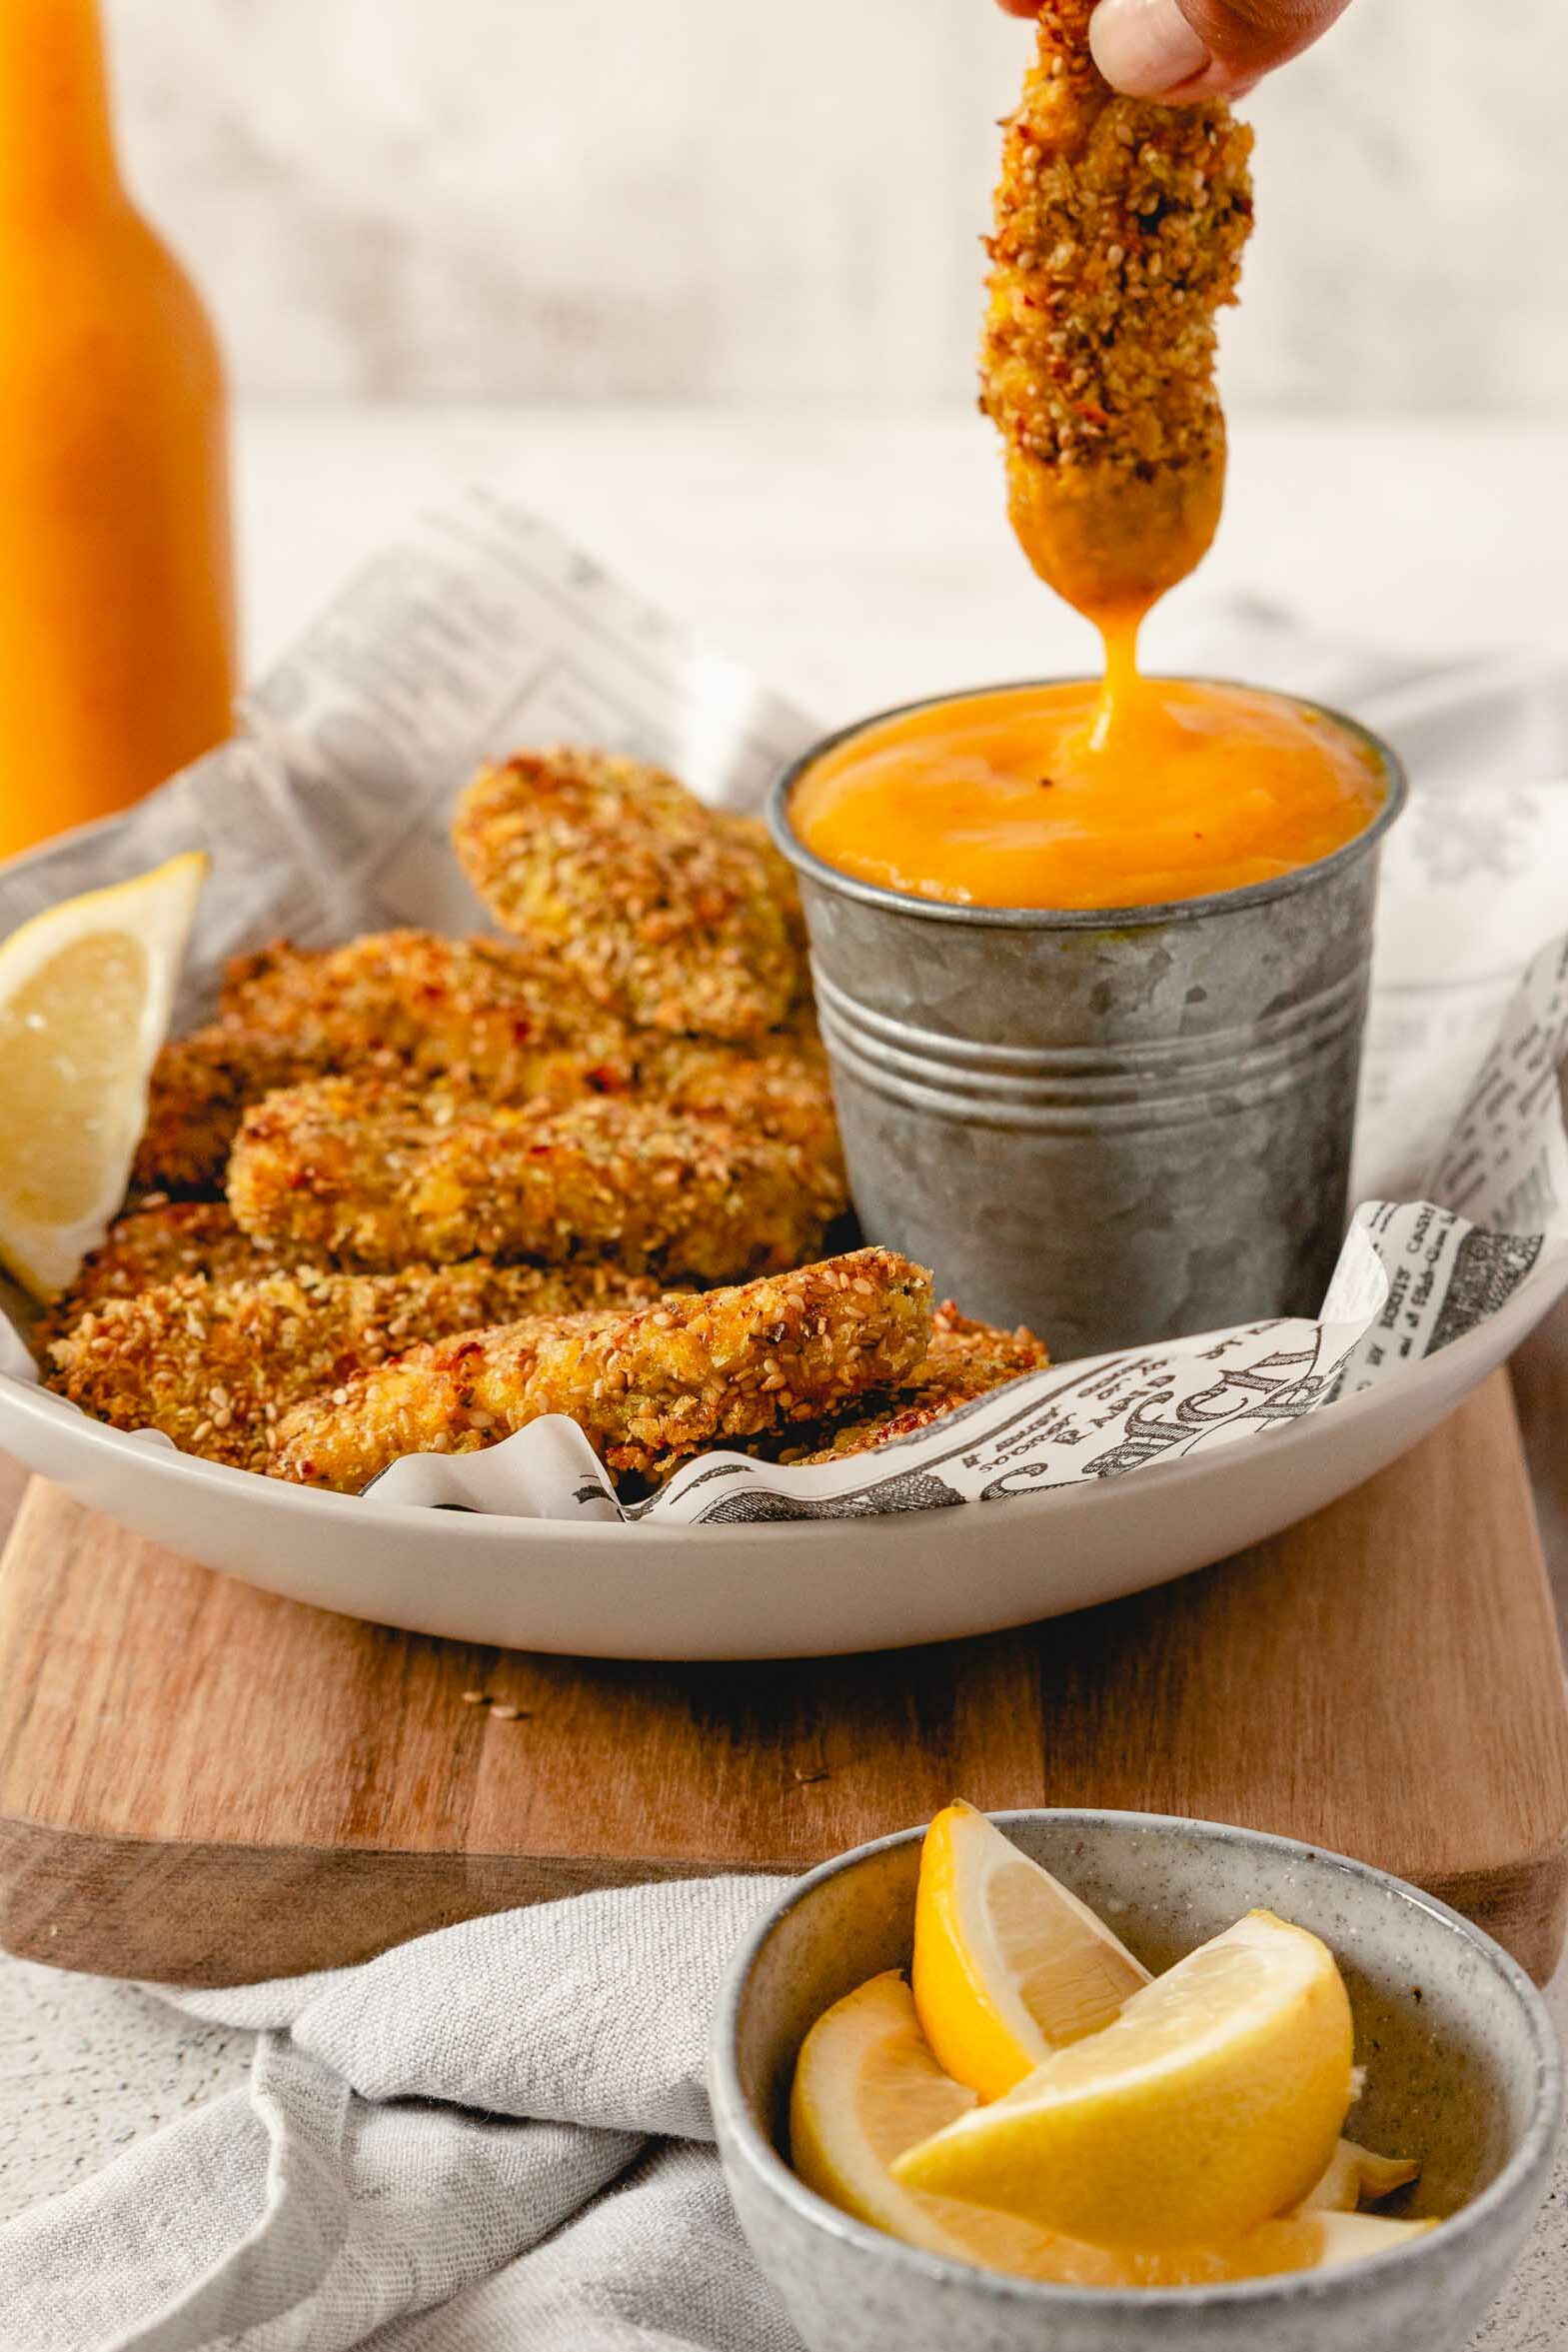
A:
{"x": 202, "y": 1783}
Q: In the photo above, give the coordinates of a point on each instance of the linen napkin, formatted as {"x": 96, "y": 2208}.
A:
{"x": 496, "y": 2135}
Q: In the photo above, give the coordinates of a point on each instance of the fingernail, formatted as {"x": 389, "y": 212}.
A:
{"x": 1146, "y": 46}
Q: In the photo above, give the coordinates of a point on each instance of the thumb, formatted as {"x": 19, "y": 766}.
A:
{"x": 1201, "y": 48}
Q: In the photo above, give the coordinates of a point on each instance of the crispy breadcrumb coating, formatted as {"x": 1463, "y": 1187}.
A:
{"x": 675, "y": 915}
{"x": 477, "y": 1012}
{"x": 966, "y": 1359}
{"x": 646, "y": 1388}
{"x": 197, "y": 1095}
{"x": 778, "y": 1085}
{"x": 1118, "y": 235}
{"x": 216, "y": 1367}
{"x": 504, "y": 1021}
{"x": 378, "y": 1175}
{"x": 161, "y": 1242}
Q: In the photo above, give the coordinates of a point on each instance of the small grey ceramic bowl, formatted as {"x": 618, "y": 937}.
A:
{"x": 1464, "y": 2072}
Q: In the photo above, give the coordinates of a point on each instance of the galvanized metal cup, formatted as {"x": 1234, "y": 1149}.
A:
{"x": 1116, "y": 1126}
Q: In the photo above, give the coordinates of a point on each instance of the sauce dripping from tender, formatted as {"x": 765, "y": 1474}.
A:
{"x": 1135, "y": 792}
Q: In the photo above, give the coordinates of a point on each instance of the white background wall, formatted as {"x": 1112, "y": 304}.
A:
{"x": 777, "y": 204}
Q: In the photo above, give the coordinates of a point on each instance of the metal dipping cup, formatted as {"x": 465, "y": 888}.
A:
{"x": 1116, "y": 1126}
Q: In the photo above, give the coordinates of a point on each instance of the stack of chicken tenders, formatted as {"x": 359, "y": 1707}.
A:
{"x": 409, "y": 1195}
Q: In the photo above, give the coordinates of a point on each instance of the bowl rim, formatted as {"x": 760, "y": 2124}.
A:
{"x": 48, "y": 1410}
{"x": 1513, "y": 2181}
{"x": 1053, "y": 919}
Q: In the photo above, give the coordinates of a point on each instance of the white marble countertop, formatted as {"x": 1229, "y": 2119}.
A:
{"x": 854, "y": 562}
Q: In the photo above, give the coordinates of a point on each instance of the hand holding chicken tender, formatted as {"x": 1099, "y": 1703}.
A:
{"x": 1118, "y": 235}
{"x": 647, "y": 1388}
{"x": 1180, "y": 49}
{"x": 671, "y": 913}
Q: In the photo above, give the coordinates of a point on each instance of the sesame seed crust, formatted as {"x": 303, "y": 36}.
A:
{"x": 481, "y": 1011}
{"x": 671, "y": 913}
{"x": 778, "y": 1085}
{"x": 409, "y": 1003}
{"x": 217, "y": 1365}
{"x": 176, "y": 1238}
{"x": 647, "y": 1388}
{"x": 964, "y": 1360}
{"x": 378, "y": 1175}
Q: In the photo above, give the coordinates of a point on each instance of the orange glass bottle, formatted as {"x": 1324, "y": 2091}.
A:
{"x": 116, "y": 592}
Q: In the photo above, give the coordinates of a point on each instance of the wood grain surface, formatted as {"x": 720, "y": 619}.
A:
{"x": 203, "y": 1783}
{"x": 1539, "y": 1373}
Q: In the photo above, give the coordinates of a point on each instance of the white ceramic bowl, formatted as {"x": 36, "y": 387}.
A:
{"x": 801, "y": 1588}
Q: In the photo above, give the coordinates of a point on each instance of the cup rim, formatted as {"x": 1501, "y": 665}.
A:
{"x": 1513, "y": 2182}
{"x": 1256, "y": 893}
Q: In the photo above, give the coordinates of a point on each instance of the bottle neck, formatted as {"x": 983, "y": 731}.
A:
{"x": 55, "y": 135}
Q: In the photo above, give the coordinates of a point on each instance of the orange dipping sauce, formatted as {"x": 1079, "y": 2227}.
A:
{"x": 1136, "y": 793}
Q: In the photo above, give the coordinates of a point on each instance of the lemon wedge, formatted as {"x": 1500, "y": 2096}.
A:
{"x": 85, "y": 996}
{"x": 866, "y": 2087}
{"x": 1356, "y": 2177}
{"x": 1007, "y": 1964}
{"x": 1315, "y": 2242}
{"x": 1213, "y": 2100}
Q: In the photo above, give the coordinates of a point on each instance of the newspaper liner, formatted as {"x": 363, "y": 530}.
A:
{"x": 481, "y": 628}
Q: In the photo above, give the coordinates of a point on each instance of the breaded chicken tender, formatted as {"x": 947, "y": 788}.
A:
{"x": 778, "y": 1085}
{"x": 646, "y": 1389}
{"x": 216, "y": 1367}
{"x": 477, "y": 1012}
{"x": 376, "y": 1176}
{"x": 480, "y": 1010}
{"x": 1118, "y": 235}
{"x": 197, "y": 1097}
{"x": 174, "y": 1240}
{"x": 673, "y": 915}
{"x": 966, "y": 1359}
{"x": 483, "y": 1015}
